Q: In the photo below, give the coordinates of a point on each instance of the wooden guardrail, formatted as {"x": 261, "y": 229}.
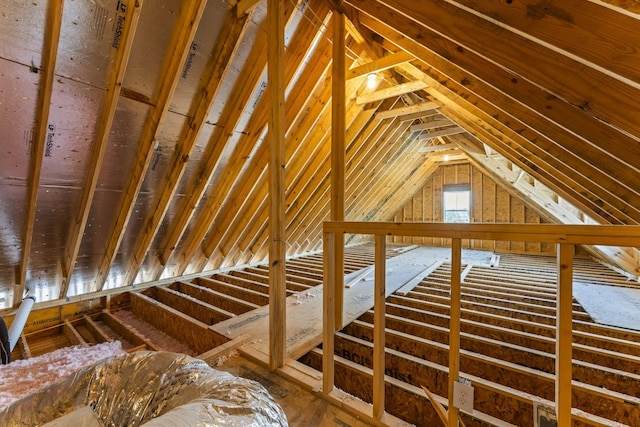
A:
{"x": 564, "y": 236}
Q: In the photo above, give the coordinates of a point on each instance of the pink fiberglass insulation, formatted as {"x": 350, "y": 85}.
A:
{"x": 23, "y": 377}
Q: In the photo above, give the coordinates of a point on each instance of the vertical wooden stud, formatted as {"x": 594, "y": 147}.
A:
{"x": 454, "y": 326}
{"x": 379, "y": 325}
{"x": 564, "y": 339}
{"x": 328, "y": 301}
{"x": 277, "y": 241}
{"x": 338, "y": 132}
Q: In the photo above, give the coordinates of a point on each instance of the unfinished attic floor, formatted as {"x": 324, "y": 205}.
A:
{"x": 508, "y": 329}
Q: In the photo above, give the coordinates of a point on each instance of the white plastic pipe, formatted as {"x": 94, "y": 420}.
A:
{"x": 20, "y": 318}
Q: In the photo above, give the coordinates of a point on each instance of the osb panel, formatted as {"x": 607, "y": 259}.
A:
{"x": 417, "y": 409}
{"x": 210, "y": 297}
{"x": 179, "y": 327}
{"x": 514, "y": 376}
{"x": 414, "y": 370}
{"x": 196, "y": 309}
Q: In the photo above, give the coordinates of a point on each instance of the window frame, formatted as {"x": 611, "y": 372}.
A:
{"x": 456, "y": 188}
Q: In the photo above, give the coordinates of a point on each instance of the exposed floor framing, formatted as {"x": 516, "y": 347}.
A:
{"x": 507, "y": 341}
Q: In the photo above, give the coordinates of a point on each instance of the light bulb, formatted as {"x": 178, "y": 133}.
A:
{"x": 371, "y": 80}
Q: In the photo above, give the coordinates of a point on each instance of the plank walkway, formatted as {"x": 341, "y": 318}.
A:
{"x": 304, "y": 310}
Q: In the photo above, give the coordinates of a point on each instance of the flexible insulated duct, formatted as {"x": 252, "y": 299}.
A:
{"x": 20, "y": 319}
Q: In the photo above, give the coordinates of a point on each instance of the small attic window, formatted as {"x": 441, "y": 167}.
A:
{"x": 457, "y": 202}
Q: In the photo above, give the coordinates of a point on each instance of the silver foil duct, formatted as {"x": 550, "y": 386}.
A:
{"x": 159, "y": 388}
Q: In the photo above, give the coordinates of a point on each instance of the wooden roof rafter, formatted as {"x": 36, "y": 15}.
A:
{"x": 439, "y": 147}
{"x": 442, "y": 131}
{"x": 378, "y": 65}
{"x": 256, "y": 195}
{"x": 545, "y": 206}
{"x": 400, "y": 177}
{"x": 584, "y": 28}
{"x": 543, "y": 172}
{"x": 488, "y": 92}
{"x": 105, "y": 122}
{"x": 318, "y": 188}
{"x": 556, "y": 135}
{"x": 49, "y": 58}
{"x": 182, "y": 36}
{"x": 427, "y": 107}
{"x": 369, "y": 149}
{"x": 229, "y": 118}
{"x": 312, "y": 182}
{"x": 239, "y": 229}
{"x": 406, "y": 111}
{"x": 401, "y": 164}
{"x": 431, "y": 125}
{"x": 504, "y": 141}
{"x": 489, "y": 75}
{"x": 366, "y": 179}
{"x": 404, "y": 190}
{"x": 213, "y": 205}
{"x": 609, "y": 97}
{"x": 214, "y": 75}
{"x": 546, "y": 168}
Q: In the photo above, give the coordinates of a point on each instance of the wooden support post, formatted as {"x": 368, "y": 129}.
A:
{"x": 328, "y": 301}
{"x": 338, "y": 133}
{"x": 454, "y": 326}
{"x": 564, "y": 339}
{"x": 379, "y": 325}
{"x": 277, "y": 244}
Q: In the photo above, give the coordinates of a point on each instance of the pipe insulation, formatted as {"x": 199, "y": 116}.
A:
{"x": 20, "y": 319}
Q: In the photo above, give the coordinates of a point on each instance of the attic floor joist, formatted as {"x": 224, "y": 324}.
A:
{"x": 507, "y": 335}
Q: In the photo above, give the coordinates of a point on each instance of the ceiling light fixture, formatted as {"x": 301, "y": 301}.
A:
{"x": 371, "y": 80}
